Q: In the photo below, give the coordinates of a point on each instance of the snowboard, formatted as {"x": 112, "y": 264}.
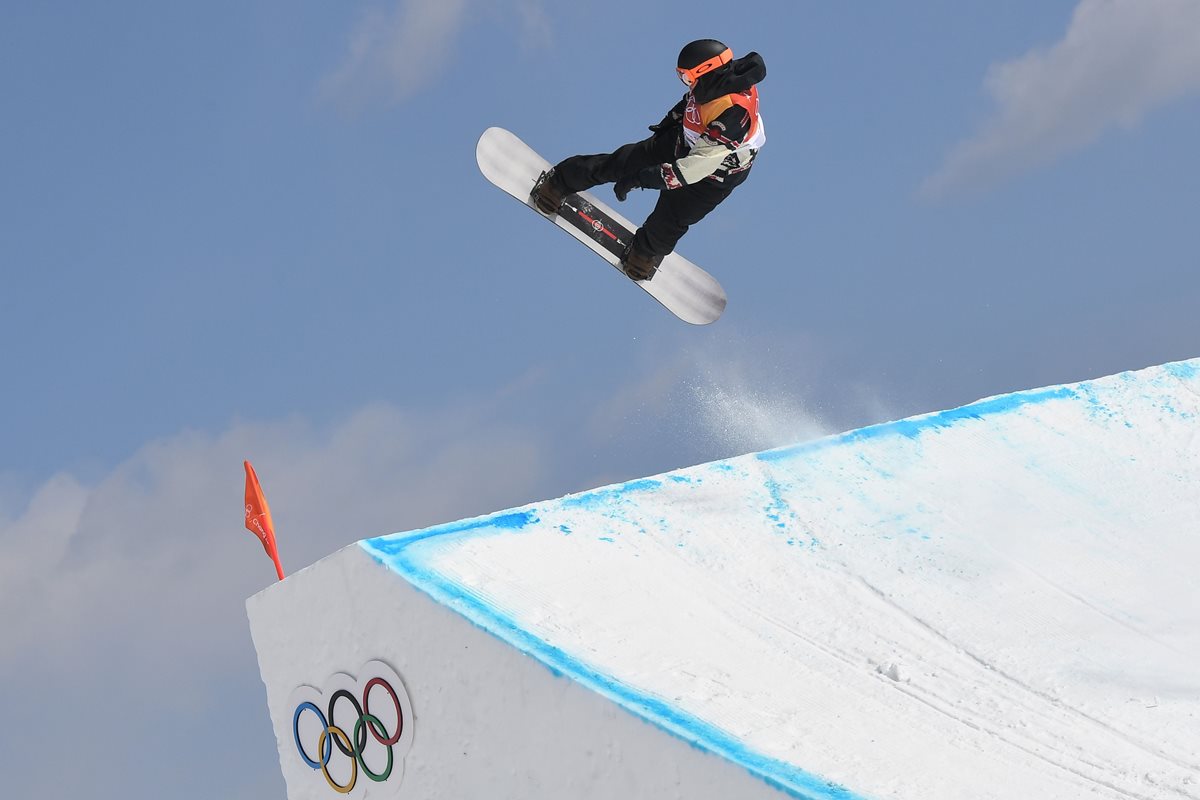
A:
{"x": 680, "y": 286}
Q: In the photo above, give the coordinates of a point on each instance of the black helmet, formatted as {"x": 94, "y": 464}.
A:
{"x": 700, "y": 57}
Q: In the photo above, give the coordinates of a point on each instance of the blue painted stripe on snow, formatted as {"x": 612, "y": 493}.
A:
{"x": 601, "y": 497}
{"x": 914, "y": 427}
{"x": 1186, "y": 370}
{"x": 513, "y": 520}
{"x": 392, "y": 554}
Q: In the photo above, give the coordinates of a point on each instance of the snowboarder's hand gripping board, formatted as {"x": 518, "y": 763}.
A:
{"x": 684, "y": 289}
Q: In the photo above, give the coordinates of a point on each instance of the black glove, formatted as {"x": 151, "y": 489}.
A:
{"x": 667, "y": 123}
{"x": 673, "y": 119}
{"x": 621, "y": 188}
{"x": 648, "y": 178}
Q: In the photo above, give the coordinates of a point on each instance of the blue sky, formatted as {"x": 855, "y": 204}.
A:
{"x": 256, "y": 230}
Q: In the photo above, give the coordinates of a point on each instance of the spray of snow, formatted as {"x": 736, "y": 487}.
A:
{"x": 742, "y": 419}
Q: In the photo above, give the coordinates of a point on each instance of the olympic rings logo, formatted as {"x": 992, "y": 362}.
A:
{"x": 351, "y": 743}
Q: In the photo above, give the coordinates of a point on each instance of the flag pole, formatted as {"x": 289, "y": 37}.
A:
{"x": 278, "y": 566}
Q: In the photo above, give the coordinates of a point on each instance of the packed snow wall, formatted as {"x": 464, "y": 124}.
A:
{"x": 998, "y": 601}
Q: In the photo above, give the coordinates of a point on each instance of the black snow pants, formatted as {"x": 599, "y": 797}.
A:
{"x": 676, "y": 210}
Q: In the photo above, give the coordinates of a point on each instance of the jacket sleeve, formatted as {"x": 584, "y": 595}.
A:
{"x": 724, "y": 135}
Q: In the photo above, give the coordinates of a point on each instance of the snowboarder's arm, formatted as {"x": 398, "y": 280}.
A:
{"x": 705, "y": 158}
{"x": 724, "y": 135}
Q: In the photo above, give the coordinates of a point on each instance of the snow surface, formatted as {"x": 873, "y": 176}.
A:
{"x": 998, "y": 601}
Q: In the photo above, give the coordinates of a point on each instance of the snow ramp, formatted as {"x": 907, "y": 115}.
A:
{"x": 998, "y": 601}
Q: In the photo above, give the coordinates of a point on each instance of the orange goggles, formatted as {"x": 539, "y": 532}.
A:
{"x": 690, "y": 76}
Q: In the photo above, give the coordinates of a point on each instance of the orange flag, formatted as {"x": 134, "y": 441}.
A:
{"x": 258, "y": 517}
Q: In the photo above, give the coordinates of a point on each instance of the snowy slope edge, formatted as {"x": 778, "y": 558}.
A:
{"x": 398, "y": 553}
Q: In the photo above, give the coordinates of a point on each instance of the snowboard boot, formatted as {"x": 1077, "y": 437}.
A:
{"x": 638, "y": 265}
{"x": 549, "y": 193}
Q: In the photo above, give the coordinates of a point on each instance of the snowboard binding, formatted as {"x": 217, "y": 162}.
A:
{"x": 637, "y": 265}
{"x": 548, "y": 193}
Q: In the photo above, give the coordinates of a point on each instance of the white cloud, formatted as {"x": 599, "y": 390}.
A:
{"x": 535, "y": 23}
{"x": 166, "y": 523}
{"x": 126, "y": 596}
{"x": 1119, "y": 60}
{"x": 393, "y": 54}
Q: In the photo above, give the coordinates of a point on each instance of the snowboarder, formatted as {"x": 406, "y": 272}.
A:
{"x": 698, "y": 154}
